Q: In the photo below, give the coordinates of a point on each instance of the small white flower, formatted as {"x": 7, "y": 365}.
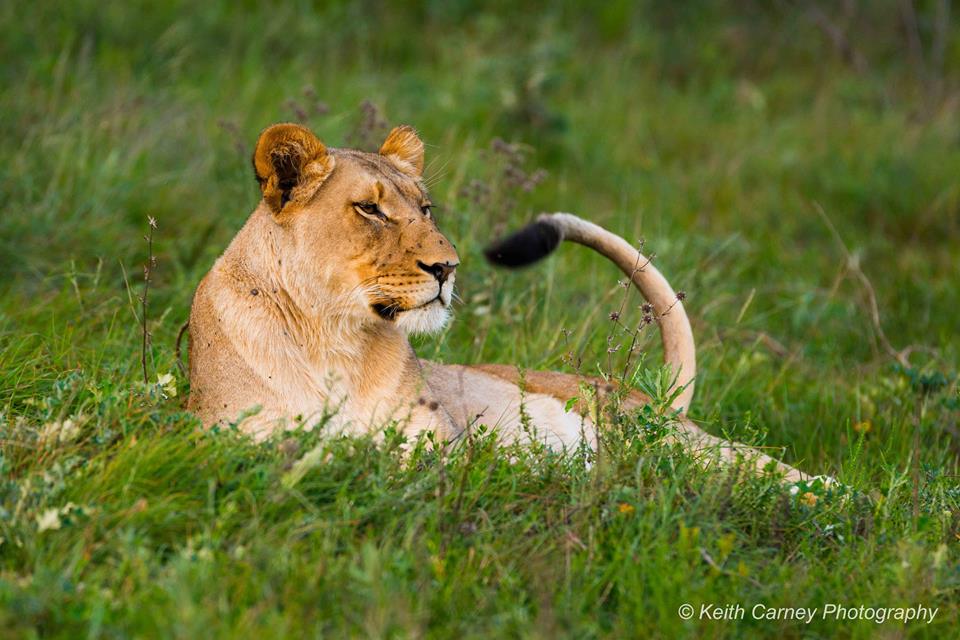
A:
{"x": 49, "y": 519}
{"x": 69, "y": 430}
{"x": 167, "y": 384}
{"x": 50, "y": 432}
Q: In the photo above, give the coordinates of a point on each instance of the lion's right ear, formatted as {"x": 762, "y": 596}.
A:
{"x": 290, "y": 163}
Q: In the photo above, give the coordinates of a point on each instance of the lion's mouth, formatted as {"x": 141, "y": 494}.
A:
{"x": 386, "y": 311}
{"x": 391, "y": 311}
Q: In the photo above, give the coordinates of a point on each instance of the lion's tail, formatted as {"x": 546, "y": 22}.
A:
{"x": 540, "y": 238}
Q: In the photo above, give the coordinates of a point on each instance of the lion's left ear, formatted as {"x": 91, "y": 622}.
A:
{"x": 404, "y": 144}
{"x": 290, "y": 163}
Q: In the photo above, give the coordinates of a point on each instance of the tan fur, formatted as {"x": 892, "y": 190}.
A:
{"x": 710, "y": 448}
{"x": 307, "y": 312}
{"x": 404, "y": 145}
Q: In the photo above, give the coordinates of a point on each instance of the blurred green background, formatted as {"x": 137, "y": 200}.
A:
{"x": 786, "y": 162}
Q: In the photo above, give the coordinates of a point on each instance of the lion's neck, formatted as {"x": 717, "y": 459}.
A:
{"x": 305, "y": 348}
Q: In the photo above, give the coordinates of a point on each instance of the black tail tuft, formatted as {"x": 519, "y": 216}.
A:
{"x": 526, "y": 246}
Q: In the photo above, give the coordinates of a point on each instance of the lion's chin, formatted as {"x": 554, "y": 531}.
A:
{"x": 429, "y": 318}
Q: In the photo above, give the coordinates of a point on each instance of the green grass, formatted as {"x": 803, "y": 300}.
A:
{"x": 715, "y": 133}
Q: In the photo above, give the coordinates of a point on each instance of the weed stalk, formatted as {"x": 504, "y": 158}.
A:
{"x": 148, "y": 268}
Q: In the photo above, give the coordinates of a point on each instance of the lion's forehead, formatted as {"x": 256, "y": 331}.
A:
{"x": 383, "y": 169}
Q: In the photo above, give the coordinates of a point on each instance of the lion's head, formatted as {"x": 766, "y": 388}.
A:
{"x": 354, "y": 230}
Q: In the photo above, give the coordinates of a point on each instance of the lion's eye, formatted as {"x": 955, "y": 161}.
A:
{"x": 426, "y": 209}
{"x": 370, "y": 209}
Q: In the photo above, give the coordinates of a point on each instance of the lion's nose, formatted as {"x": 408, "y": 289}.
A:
{"x": 439, "y": 270}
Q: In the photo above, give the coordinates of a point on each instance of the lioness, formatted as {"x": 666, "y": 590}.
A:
{"x": 308, "y": 310}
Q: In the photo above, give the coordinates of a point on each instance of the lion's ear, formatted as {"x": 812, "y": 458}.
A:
{"x": 290, "y": 163}
{"x": 404, "y": 144}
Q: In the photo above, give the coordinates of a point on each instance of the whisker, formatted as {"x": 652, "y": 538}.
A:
{"x": 435, "y": 171}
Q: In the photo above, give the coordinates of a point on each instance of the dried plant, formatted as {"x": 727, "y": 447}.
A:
{"x": 497, "y": 195}
{"x": 308, "y": 106}
{"x": 148, "y": 268}
{"x": 231, "y": 128}
{"x": 370, "y": 128}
